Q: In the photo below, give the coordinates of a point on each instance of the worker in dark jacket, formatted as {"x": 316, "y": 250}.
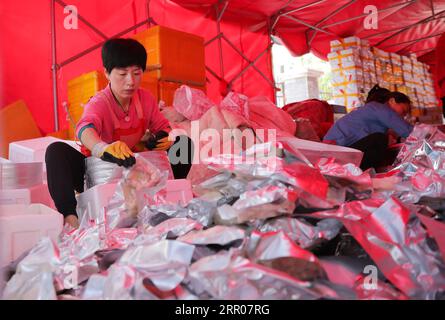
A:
{"x": 366, "y": 128}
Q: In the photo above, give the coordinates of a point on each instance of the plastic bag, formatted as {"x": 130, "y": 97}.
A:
{"x": 191, "y": 103}
{"x": 237, "y": 103}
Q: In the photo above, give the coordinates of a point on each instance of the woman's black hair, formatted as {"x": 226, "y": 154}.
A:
{"x": 378, "y": 94}
{"x": 399, "y": 97}
{"x": 382, "y": 95}
{"x": 122, "y": 53}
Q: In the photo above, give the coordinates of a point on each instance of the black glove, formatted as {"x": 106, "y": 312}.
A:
{"x": 154, "y": 139}
{"x": 127, "y": 163}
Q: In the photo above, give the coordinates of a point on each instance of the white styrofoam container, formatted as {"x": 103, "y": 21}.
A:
{"x": 22, "y": 226}
{"x": 36, "y": 194}
{"x": 179, "y": 191}
{"x": 93, "y": 200}
{"x": 20, "y": 175}
{"x": 33, "y": 150}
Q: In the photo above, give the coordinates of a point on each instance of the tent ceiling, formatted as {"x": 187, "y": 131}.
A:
{"x": 404, "y": 26}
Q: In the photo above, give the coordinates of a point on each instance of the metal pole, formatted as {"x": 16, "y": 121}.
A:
{"x": 269, "y": 29}
{"x": 54, "y": 65}
{"x": 402, "y": 5}
{"x": 245, "y": 58}
{"x": 309, "y": 25}
{"x": 213, "y": 39}
{"x": 397, "y": 29}
{"x": 226, "y": 3}
{"x": 247, "y": 67}
{"x": 214, "y": 73}
{"x": 276, "y": 17}
{"x": 301, "y": 8}
{"x": 414, "y": 41}
{"x": 418, "y": 40}
{"x": 147, "y": 4}
{"x": 286, "y": 5}
{"x": 428, "y": 19}
{"x": 81, "y": 54}
{"x": 328, "y": 17}
{"x": 432, "y": 8}
{"x": 218, "y": 31}
{"x": 422, "y": 50}
{"x": 275, "y": 22}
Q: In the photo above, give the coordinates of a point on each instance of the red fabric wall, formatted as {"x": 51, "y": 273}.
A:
{"x": 25, "y": 52}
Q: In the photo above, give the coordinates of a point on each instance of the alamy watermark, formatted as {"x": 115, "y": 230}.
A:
{"x": 371, "y": 21}
{"x": 371, "y": 280}
{"x": 208, "y": 143}
{"x": 71, "y": 21}
{"x": 71, "y": 280}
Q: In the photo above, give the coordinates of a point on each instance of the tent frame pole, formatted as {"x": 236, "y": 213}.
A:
{"x": 248, "y": 60}
{"x": 417, "y": 40}
{"x": 432, "y": 8}
{"x": 401, "y": 5}
{"x": 220, "y": 37}
{"x": 427, "y": 19}
{"x": 271, "y": 43}
{"x": 54, "y": 65}
{"x": 219, "y": 15}
{"x": 414, "y": 41}
{"x": 147, "y": 8}
{"x": 335, "y": 12}
{"x": 279, "y": 14}
{"x": 252, "y": 64}
{"x": 422, "y": 50}
{"x": 92, "y": 48}
{"x": 310, "y": 25}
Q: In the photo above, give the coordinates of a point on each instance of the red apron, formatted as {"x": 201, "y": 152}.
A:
{"x": 131, "y": 136}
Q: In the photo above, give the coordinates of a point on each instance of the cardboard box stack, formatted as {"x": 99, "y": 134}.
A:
{"x": 357, "y": 68}
{"x": 348, "y": 72}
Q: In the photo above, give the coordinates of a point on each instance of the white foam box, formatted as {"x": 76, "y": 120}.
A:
{"x": 33, "y": 150}
{"x": 93, "y": 200}
{"x": 36, "y": 194}
{"x": 22, "y": 227}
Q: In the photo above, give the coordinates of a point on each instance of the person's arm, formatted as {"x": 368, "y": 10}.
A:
{"x": 157, "y": 133}
{"x": 157, "y": 121}
{"x": 91, "y": 139}
{"x": 394, "y": 121}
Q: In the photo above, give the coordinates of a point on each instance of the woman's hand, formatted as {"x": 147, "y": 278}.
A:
{"x": 117, "y": 152}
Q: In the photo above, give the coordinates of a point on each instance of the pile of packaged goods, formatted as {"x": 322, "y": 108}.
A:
{"x": 357, "y": 68}
{"x": 267, "y": 224}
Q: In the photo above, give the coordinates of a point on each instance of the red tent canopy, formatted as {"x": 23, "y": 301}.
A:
{"x": 403, "y": 26}
{"x": 303, "y": 26}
